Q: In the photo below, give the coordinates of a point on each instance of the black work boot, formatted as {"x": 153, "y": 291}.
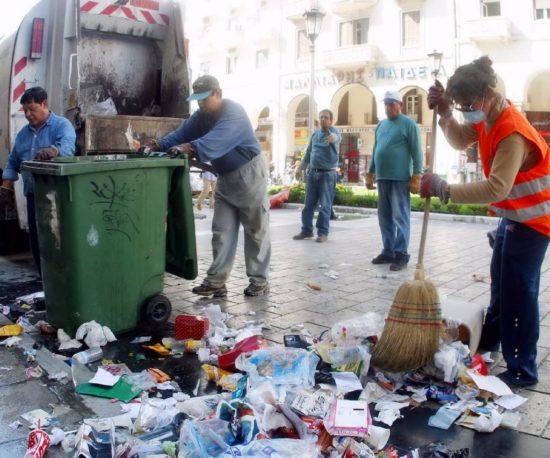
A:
{"x": 400, "y": 262}
{"x": 382, "y": 259}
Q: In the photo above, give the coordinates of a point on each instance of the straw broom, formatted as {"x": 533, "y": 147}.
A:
{"x": 411, "y": 334}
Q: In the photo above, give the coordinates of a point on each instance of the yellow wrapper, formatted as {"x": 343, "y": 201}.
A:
{"x": 11, "y": 330}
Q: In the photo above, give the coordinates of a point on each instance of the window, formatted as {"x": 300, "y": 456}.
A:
{"x": 262, "y": 56}
{"x": 230, "y": 64}
{"x": 542, "y": 9}
{"x": 490, "y": 8}
{"x": 353, "y": 32}
{"x": 411, "y": 29}
{"x": 302, "y": 44}
{"x": 233, "y": 22}
{"x": 206, "y": 24}
{"x": 413, "y": 105}
{"x": 204, "y": 68}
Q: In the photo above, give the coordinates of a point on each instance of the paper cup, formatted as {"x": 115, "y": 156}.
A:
{"x": 378, "y": 437}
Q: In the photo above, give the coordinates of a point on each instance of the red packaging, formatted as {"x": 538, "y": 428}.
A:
{"x": 191, "y": 327}
{"x": 479, "y": 365}
{"x": 227, "y": 360}
{"x": 37, "y": 444}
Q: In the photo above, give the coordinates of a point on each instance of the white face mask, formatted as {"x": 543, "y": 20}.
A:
{"x": 474, "y": 117}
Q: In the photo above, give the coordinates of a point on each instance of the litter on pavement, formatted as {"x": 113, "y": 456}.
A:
{"x": 311, "y": 397}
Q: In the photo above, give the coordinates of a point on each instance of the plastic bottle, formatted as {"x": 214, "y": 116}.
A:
{"x": 88, "y": 356}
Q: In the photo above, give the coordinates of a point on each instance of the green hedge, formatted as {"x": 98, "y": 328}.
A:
{"x": 345, "y": 197}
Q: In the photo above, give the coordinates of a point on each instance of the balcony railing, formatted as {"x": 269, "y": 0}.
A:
{"x": 349, "y": 6}
{"x": 489, "y": 29}
{"x": 350, "y": 56}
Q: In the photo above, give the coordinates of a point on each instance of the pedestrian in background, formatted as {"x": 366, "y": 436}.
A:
{"x": 321, "y": 161}
{"x": 46, "y": 136}
{"x": 208, "y": 189}
{"x": 396, "y": 167}
{"x": 515, "y": 160}
{"x": 221, "y": 133}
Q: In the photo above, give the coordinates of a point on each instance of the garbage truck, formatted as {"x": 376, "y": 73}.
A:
{"x": 117, "y": 69}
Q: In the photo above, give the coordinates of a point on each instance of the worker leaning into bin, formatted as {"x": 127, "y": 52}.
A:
{"x": 43, "y": 138}
{"x": 221, "y": 133}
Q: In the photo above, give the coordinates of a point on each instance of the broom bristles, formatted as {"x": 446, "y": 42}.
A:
{"x": 411, "y": 334}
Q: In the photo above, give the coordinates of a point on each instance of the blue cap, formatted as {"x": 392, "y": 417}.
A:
{"x": 203, "y": 87}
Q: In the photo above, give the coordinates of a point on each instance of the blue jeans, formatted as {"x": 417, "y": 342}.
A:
{"x": 394, "y": 216}
{"x": 320, "y": 188}
{"x": 513, "y": 314}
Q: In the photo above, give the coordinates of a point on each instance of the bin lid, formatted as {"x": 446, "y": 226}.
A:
{"x": 76, "y": 165}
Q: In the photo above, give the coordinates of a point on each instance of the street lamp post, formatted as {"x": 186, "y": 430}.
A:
{"x": 314, "y": 19}
{"x": 436, "y": 57}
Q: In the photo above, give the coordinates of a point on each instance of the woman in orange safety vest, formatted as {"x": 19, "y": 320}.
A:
{"x": 516, "y": 163}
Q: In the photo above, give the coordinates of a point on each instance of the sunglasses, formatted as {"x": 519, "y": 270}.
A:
{"x": 464, "y": 108}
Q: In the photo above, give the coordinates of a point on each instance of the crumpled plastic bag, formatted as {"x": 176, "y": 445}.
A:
{"x": 369, "y": 324}
{"x": 155, "y": 413}
{"x": 449, "y": 359}
{"x": 105, "y": 108}
{"x": 204, "y": 439}
{"x": 240, "y": 417}
{"x": 65, "y": 341}
{"x": 285, "y": 367}
{"x": 94, "y": 334}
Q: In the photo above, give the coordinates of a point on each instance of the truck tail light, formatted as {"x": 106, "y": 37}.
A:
{"x": 37, "y": 37}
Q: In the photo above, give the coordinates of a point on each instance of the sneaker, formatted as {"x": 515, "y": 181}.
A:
{"x": 207, "y": 290}
{"x": 382, "y": 259}
{"x": 256, "y": 290}
{"x": 302, "y": 236}
{"x": 515, "y": 382}
{"x": 321, "y": 238}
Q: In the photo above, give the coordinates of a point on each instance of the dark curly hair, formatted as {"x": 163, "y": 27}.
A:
{"x": 472, "y": 80}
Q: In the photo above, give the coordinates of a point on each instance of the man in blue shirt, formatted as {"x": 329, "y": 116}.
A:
{"x": 45, "y": 137}
{"x": 321, "y": 160}
{"x": 396, "y": 166}
{"x": 220, "y": 133}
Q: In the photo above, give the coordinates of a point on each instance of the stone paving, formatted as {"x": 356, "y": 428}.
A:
{"x": 456, "y": 250}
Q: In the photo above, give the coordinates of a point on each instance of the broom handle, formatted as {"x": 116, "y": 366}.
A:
{"x": 427, "y": 201}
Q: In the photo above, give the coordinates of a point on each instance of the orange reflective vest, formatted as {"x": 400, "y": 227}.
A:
{"x": 529, "y": 199}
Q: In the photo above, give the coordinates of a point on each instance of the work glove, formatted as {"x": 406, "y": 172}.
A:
{"x": 370, "y": 178}
{"x": 154, "y": 145}
{"x": 414, "y": 184}
{"x": 6, "y": 197}
{"x": 174, "y": 151}
{"x": 331, "y": 138}
{"x": 438, "y": 100}
{"x": 45, "y": 154}
{"x": 431, "y": 185}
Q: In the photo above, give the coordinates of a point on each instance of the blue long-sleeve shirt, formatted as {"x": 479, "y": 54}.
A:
{"x": 397, "y": 151}
{"x": 57, "y": 131}
{"x": 226, "y": 140}
{"x": 320, "y": 154}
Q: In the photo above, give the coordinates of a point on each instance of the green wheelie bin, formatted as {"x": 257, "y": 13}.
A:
{"x": 108, "y": 228}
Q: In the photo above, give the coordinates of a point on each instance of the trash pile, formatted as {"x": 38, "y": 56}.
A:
{"x": 311, "y": 397}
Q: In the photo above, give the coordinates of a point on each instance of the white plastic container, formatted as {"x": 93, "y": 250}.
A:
{"x": 88, "y": 356}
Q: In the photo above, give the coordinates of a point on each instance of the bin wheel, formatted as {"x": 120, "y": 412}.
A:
{"x": 157, "y": 310}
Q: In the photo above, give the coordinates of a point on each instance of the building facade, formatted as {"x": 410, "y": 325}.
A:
{"x": 260, "y": 52}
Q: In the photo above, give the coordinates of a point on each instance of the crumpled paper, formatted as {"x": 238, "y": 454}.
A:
{"x": 94, "y": 334}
